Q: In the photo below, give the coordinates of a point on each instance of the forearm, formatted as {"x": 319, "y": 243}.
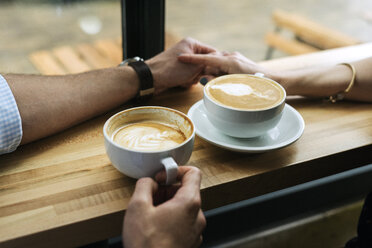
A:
{"x": 326, "y": 81}
{"x": 50, "y": 104}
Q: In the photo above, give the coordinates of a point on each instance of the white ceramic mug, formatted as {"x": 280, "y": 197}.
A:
{"x": 243, "y": 123}
{"x": 137, "y": 164}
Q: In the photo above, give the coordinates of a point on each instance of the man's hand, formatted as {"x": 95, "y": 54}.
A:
{"x": 165, "y": 216}
{"x": 169, "y": 72}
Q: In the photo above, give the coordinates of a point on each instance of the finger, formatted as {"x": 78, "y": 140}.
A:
{"x": 190, "y": 185}
{"x": 199, "y": 227}
{"x": 204, "y": 79}
{"x": 161, "y": 176}
{"x": 189, "y": 85}
{"x": 201, "y": 222}
{"x": 144, "y": 191}
{"x": 208, "y": 70}
{"x": 204, "y": 59}
{"x": 202, "y": 48}
{"x": 164, "y": 193}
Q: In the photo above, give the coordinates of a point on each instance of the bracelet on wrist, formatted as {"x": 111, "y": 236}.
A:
{"x": 341, "y": 95}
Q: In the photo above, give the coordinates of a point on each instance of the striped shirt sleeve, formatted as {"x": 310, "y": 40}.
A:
{"x": 10, "y": 119}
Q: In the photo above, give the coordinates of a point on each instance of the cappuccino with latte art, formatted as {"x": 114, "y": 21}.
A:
{"x": 245, "y": 92}
{"x": 145, "y": 140}
{"x": 149, "y": 136}
{"x": 243, "y": 105}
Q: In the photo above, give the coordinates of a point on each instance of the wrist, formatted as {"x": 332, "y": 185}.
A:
{"x": 315, "y": 82}
{"x": 283, "y": 79}
{"x": 144, "y": 76}
{"x": 156, "y": 72}
{"x": 129, "y": 75}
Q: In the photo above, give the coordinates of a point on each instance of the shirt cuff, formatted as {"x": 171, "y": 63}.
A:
{"x": 10, "y": 119}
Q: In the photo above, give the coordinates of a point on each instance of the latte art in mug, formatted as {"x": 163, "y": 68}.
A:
{"x": 245, "y": 92}
{"x": 149, "y": 136}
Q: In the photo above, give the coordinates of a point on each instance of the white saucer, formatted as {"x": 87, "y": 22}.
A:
{"x": 289, "y": 129}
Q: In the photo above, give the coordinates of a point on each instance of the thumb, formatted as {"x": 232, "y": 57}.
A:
{"x": 144, "y": 191}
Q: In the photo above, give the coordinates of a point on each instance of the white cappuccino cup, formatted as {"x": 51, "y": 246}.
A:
{"x": 145, "y": 140}
{"x": 244, "y": 105}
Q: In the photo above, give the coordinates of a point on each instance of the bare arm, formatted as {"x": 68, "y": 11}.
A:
{"x": 49, "y": 104}
{"x": 326, "y": 81}
{"x": 312, "y": 82}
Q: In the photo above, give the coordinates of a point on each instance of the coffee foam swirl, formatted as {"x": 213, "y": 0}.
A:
{"x": 233, "y": 89}
{"x": 148, "y": 136}
{"x": 244, "y": 92}
{"x": 238, "y": 89}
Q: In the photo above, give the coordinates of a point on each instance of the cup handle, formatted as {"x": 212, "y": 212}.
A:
{"x": 171, "y": 169}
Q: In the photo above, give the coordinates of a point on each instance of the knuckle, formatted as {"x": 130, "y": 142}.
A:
{"x": 236, "y": 63}
{"x": 136, "y": 203}
{"x": 191, "y": 204}
{"x": 187, "y": 39}
{"x": 144, "y": 180}
{"x": 194, "y": 204}
{"x": 195, "y": 170}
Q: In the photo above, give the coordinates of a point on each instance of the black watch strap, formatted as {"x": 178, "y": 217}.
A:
{"x": 146, "y": 86}
{"x": 145, "y": 78}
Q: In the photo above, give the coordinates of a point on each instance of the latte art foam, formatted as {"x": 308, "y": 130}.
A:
{"x": 244, "y": 92}
{"x": 238, "y": 89}
{"x": 233, "y": 89}
{"x": 149, "y": 136}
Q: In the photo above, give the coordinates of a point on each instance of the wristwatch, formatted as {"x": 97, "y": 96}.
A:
{"x": 144, "y": 74}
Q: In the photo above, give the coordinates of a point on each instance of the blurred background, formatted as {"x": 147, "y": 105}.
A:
{"x": 238, "y": 25}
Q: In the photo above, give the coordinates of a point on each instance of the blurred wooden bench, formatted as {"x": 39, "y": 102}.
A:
{"x": 83, "y": 57}
{"x": 308, "y": 36}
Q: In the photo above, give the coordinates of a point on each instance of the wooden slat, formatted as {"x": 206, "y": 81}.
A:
{"x": 289, "y": 46}
{"x": 71, "y": 60}
{"x": 93, "y": 57}
{"x": 311, "y": 31}
{"x": 46, "y": 63}
{"x": 109, "y": 49}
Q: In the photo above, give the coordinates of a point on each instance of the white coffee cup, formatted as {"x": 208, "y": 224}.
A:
{"x": 137, "y": 164}
{"x": 243, "y": 123}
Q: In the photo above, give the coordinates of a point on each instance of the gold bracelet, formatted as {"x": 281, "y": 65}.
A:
{"x": 341, "y": 95}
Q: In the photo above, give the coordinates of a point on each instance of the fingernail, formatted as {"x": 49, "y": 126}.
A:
{"x": 203, "y": 80}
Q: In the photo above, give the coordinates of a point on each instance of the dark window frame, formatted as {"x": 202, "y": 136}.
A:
{"x": 143, "y": 24}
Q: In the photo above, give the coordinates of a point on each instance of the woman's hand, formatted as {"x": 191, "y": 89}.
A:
{"x": 221, "y": 63}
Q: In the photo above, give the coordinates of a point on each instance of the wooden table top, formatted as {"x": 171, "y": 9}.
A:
{"x": 63, "y": 191}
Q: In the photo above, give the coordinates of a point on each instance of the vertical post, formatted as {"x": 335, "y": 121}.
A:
{"x": 142, "y": 27}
